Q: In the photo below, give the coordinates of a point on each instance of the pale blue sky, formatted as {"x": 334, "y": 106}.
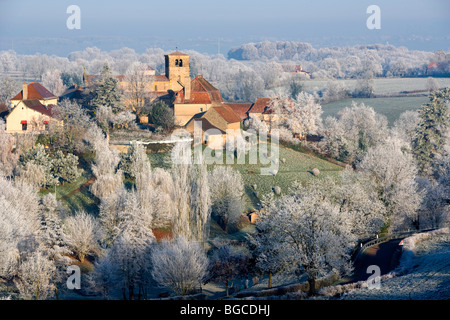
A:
{"x": 198, "y": 24}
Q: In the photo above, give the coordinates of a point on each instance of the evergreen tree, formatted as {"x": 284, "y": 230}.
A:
{"x": 40, "y": 158}
{"x": 107, "y": 92}
{"x": 162, "y": 116}
{"x": 430, "y": 134}
{"x": 65, "y": 167}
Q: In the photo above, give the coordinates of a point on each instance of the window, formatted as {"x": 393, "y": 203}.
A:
{"x": 176, "y": 62}
{"x": 24, "y": 125}
{"x": 181, "y": 63}
{"x": 201, "y": 109}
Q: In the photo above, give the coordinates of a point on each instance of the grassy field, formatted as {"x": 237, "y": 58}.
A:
{"x": 381, "y": 85}
{"x": 391, "y": 107}
{"x": 296, "y": 166}
{"x": 293, "y": 166}
{"x": 75, "y": 196}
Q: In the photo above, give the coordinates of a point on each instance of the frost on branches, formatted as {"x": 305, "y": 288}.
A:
{"x": 309, "y": 232}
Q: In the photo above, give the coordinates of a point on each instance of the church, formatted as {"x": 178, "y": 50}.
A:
{"x": 195, "y": 101}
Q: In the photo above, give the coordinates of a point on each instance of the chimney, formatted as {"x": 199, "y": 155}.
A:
{"x": 24, "y": 91}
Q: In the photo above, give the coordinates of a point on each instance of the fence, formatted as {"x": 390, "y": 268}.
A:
{"x": 397, "y": 235}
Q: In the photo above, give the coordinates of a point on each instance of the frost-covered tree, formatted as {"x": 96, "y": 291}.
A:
{"x": 40, "y": 158}
{"x": 180, "y": 265}
{"x": 394, "y": 172}
{"x": 226, "y": 264}
{"x": 52, "y": 239}
{"x": 76, "y": 124}
{"x": 353, "y": 132}
{"x": 310, "y": 233}
{"x": 265, "y": 251}
{"x": 356, "y": 195}
{"x": 227, "y": 190}
{"x": 111, "y": 216}
{"x": 35, "y": 280}
{"x": 190, "y": 196}
{"x": 106, "y": 161}
{"x": 300, "y": 116}
{"x": 81, "y": 234}
{"x": 8, "y": 89}
{"x": 8, "y": 158}
{"x": 405, "y": 126}
{"x": 107, "y": 92}
{"x": 430, "y": 134}
{"x": 65, "y": 166}
{"x": 131, "y": 250}
{"x": 137, "y": 81}
{"x": 51, "y": 80}
{"x": 335, "y": 90}
{"x": 432, "y": 84}
{"x": 102, "y": 277}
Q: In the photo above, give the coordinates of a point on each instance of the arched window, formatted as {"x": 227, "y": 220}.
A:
{"x": 181, "y": 63}
{"x": 176, "y": 62}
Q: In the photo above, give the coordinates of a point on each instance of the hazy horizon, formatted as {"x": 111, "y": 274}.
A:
{"x": 31, "y": 27}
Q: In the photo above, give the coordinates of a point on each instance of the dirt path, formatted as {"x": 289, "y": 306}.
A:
{"x": 83, "y": 186}
{"x": 384, "y": 255}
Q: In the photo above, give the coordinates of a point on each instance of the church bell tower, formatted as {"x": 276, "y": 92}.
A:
{"x": 177, "y": 71}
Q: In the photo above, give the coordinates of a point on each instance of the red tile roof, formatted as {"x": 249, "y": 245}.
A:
{"x": 36, "y": 91}
{"x": 260, "y": 105}
{"x": 240, "y": 109}
{"x": 204, "y": 92}
{"x": 227, "y": 114}
{"x": 200, "y": 98}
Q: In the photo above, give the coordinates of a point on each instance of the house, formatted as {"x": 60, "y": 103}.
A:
{"x": 31, "y": 109}
{"x": 298, "y": 69}
{"x": 76, "y": 93}
{"x": 216, "y": 124}
{"x": 30, "y": 116}
{"x": 241, "y": 109}
{"x": 34, "y": 91}
{"x": 260, "y": 108}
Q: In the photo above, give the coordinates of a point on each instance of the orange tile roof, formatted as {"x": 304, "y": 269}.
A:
{"x": 36, "y": 91}
{"x": 240, "y": 109}
{"x": 260, "y": 105}
{"x": 227, "y": 114}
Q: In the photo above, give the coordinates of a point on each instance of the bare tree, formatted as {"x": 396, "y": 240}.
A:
{"x": 227, "y": 263}
{"x": 137, "y": 82}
